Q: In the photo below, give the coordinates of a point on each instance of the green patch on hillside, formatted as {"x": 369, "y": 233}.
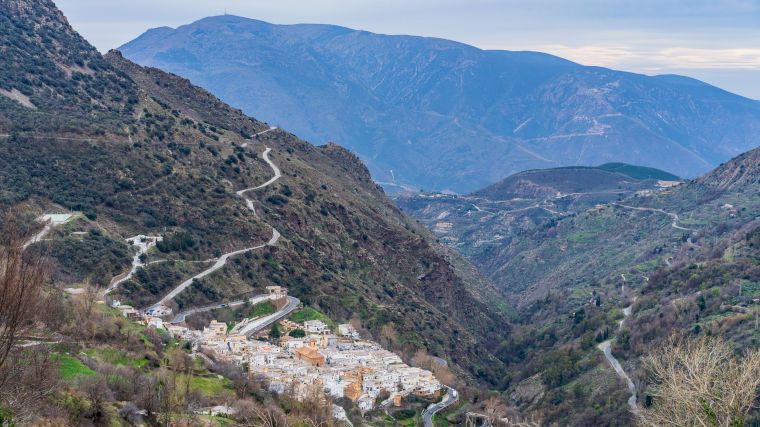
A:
{"x": 116, "y": 357}
{"x": 70, "y": 367}
{"x": 308, "y": 313}
{"x": 216, "y": 421}
{"x": 581, "y": 237}
{"x": 261, "y": 309}
{"x": 750, "y": 288}
{"x": 211, "y": 386}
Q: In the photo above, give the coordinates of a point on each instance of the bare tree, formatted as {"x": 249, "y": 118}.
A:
{"x": 84, "y": 310}
{"x": 701, "y": 383}
{"x": 88, "y": 298}
{"x": 495, "y": 410}
{"x": 21, "y": 281}
{"x": 249, "y": 413}
{"x": 31, "y": 378}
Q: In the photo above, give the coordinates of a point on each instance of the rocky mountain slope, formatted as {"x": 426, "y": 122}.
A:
{"x": 439, "y": 115}
{"x": 682, "y": 258}
{"x": 140, "y": 151}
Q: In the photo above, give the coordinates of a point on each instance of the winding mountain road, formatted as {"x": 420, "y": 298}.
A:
{"x": 271, "y": 129}
{"x": 448, "y": 399}
{"x": 181, "y": 316}
{"x": 143, "y": 243}
{"x": 50, "y": 220}
{"x": 257, "y": 325}
{"x": 277, "y": 175}
{"x": 606, "y": 348}
{"x": 672, "y": 215}
{"x": 222, "y": 260}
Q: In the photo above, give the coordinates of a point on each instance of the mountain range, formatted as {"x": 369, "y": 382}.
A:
{"x": 434, "y": 114}
{"x": 504, "y": 213}
{"x": 555, "y": 270}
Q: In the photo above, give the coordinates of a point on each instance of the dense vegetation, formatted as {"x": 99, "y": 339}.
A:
{"x": 99, "y": 258}
{"x": 172, "y": 164}
{"x": 57, "y": 72}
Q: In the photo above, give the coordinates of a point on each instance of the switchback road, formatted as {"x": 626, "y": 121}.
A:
{"x": 448, "y": 399}
{"x": 222, "y": 260}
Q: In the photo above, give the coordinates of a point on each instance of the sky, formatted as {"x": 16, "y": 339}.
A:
{"x": 716, "y": 41}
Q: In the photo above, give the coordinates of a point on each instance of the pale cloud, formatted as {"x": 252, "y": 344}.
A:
{"x": 658, "y": 59}
{"x": 746, "y": 58}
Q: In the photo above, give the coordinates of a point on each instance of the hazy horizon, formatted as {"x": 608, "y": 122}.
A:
{"x": 710, "y": 41}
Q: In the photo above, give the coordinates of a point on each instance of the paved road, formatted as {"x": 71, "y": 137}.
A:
{"x": 440, "y": 362}
{"x": 142, "y": 248}
{"x": 448, "y": 400}
{"x": 258, "y": 325}
{"x": 672, "y": 215}
{"x": 273, "y": 128}
{"x": 181, "y": 316}
{"x": 222, "y": 261}
{"x": 605, "y": 347}
{"x": 50, "y": 220}
{"x": 277, "y": 175}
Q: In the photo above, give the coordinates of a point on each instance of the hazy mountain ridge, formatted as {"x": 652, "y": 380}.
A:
{"x": 479, "y": 223}
{"x": 542, "y": 183}
{"x": 444, "y": 115}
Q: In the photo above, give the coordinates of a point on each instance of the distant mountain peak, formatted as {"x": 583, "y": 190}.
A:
{"x": 441, "y": 114}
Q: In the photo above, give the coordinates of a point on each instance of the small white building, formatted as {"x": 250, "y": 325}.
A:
{"x": 334, "y": 385}
{"x": 315, "y": 327}
{"x": 347, "y": 331}
{"x": 154, "y": 322}
{"x": 339, "y": 413}
{"x": 365, "y": 403}
{"x": 428, "y": 387}
{"x": 276, "y": 292}
{"x": 215, "y": 329}
{"x": 292, "y": 345}
{"x": 129, "y": 312}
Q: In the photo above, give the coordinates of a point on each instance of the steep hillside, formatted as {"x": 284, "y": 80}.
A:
{"x": 678, "y": 256}
{"x": 438, "y": 115}
{"x": 164, "y": 157}
{"x": 52, "y": 80}
{"x": 740, "y": 173}
{"x": 683, "y": 258}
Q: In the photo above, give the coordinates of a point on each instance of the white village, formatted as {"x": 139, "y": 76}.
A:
{"x": 338, "y": 362}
